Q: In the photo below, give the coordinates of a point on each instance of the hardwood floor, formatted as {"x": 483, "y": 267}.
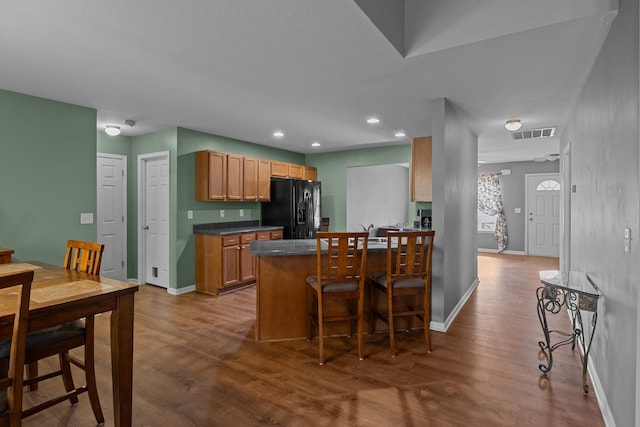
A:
{"x": 196, "y": 364}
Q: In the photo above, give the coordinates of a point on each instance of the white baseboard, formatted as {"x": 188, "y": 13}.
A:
{"x": 601, "y": 397}
{"x": 495, "y": 251}
{"x": 444, "y": 326}
{"x": 133, "y": 281}
{"x": 180, "y": 291}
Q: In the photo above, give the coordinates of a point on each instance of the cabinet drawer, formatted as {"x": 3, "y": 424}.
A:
{"x": 231, "y": 241}
{"x": 246, "y": 238}
{"x": 264, "y": 235}
{"x": 276, "y": 235}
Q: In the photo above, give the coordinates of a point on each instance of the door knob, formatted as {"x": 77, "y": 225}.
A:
{"x": 146, "y": 227}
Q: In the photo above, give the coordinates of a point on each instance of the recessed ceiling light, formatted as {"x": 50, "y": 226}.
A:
{"x": 400, "y": 134}
{"x": 513, "y": 125}
{"x": 315, "y": 144}
{"x": 278, "y": 134}
{"x": 112, "y": 130}
{"x": 373, "y": 120}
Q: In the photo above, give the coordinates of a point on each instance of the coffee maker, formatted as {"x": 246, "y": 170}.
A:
{"x": 425, "y": 218}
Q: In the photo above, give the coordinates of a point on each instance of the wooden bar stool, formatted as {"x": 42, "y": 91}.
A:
{"x": 408, "y": 273}
{"x": 341, "y": 259}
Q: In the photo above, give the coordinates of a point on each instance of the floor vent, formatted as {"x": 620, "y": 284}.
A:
{"x": 533, "y": 133}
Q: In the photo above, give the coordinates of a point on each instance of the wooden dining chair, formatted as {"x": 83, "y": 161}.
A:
{"x": 340, "y": 262}
{"x": 60, "y": 339}
{"x": 12, "y": 351}
{"x": 407, "y": 276}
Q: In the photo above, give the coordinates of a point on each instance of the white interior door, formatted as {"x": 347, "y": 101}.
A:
{"x": 543, "y": 214}
{"x": 154, "y": 198}
{"x": 112, "y": 214}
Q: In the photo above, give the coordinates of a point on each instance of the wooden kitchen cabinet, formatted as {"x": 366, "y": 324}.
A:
{"x": 224, "y": 263}
{"x": 250, "y": 179}
{"x": 218, "y": 176}
{"x": 211, "y": 172}
{"x": 264, "y": 180}
{"x": 310, "y": 173}
{"x": 279, "y": 169}
{"x": 421, "y": 170}
{"x": 296, "y": 171}
{"x": 234, "y": 177}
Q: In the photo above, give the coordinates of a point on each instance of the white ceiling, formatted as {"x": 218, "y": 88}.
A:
{"x": 315, "y": 69}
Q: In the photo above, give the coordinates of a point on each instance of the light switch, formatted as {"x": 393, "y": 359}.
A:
{"x": 627, "y": 240}
{"x": 189, "y": 214}
{"x": 86, "y": 218}
{"x": 241, "y": 212}
{"x": 222, "y": 213}
{"x": 518, "y": 210}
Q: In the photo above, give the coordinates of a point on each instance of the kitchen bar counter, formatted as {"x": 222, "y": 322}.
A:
{"x": 281, "y": 300}
{"x": 231, "y": 228}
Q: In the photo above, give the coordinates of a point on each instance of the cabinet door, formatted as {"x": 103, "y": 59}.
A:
{"x": 296, "y": 171}
{"x": 234, "y": 177}
{"x": 250, "y": 179}
{"x": 279, "y": 169}
{"x": 211, "y": 173}
{"x": 421, "y": 170}
{"x": 264, "y": 180}
{"x": 310, "y": 173}
{"x": 247, "y": 262}
{"x": 230, "y": 265}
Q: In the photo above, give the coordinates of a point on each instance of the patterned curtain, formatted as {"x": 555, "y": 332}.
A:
{"x": 490, "y": 203}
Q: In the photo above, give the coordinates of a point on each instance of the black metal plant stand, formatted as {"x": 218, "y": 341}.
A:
{"x": 575, "y": 291}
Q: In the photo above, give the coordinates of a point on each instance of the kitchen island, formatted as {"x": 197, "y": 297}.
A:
{"x": 281, "y": 298}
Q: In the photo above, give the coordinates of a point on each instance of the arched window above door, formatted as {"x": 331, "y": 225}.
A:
{"x": 548, "y": 185}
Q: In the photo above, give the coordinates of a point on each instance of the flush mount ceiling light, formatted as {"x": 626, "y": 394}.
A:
{"x": 315, "y": 144}
{"x": 278, "y": 134}
{"x": 373, "y": 120}
{"x": 513, "y": 125}
{"x": 112, "y": 130}
{"x": 400, "y": 134}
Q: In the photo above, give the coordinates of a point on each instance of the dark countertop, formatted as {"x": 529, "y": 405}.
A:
{"x": 294, "y": 247}
{"x": 230, "y": 228}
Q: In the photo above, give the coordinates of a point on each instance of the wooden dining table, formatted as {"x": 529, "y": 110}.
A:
{"x": 59, "y": 295}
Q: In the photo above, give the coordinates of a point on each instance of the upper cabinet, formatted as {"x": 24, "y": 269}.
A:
{"x": 421, "y": 170}
{"x": 224, "y": 176}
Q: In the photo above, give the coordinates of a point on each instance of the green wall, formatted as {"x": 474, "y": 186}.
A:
{"x": 48, "y": 175}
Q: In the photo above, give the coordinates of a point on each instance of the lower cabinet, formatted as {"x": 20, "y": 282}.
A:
{"x": 224, "y": 263}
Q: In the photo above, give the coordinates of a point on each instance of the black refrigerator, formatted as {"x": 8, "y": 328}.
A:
{"x": 295, "y": 204}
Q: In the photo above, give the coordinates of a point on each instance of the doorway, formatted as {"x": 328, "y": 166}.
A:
{"x": 112, "y": 214}
{"x": 543, "y": 214}
{"x": 153, "y": 217}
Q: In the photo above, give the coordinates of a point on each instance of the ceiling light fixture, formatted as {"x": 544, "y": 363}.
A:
{"x": 373, "y": 120}
{"x": 400, "y": 134}
{"x": 513, "y": 125}
{"x": 278, "y": 134}
{"x": 112, "y": 130}
{"x": 315, "y": 144}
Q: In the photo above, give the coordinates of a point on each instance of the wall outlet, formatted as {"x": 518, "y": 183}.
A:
{"x": 518, "y": 210}
{"x": 627, "y": 240}
{"x": 189, "y": 214}
{"x": 241, "y": 212}
{"x": 222, "y": 213}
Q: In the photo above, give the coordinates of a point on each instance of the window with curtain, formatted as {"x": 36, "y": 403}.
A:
{"x": 490, "y": 207}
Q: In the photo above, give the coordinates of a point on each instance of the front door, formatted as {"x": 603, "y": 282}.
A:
{"x": 154, "y": 205}
{"x": 112, "y": 215}
{"x": 543, "y": 214}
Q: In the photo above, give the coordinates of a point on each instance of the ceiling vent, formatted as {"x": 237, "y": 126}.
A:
{"x": 533, "y": 133}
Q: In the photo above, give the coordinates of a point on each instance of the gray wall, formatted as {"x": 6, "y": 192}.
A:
{"x": 455, "y": 188}
{"x": 377, "y": 195}
{"x": 604, "y": 148}
{"x": 513, "y": 196}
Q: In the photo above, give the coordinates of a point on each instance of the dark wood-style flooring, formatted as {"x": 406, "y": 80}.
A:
{"x": 197, "y": 364}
